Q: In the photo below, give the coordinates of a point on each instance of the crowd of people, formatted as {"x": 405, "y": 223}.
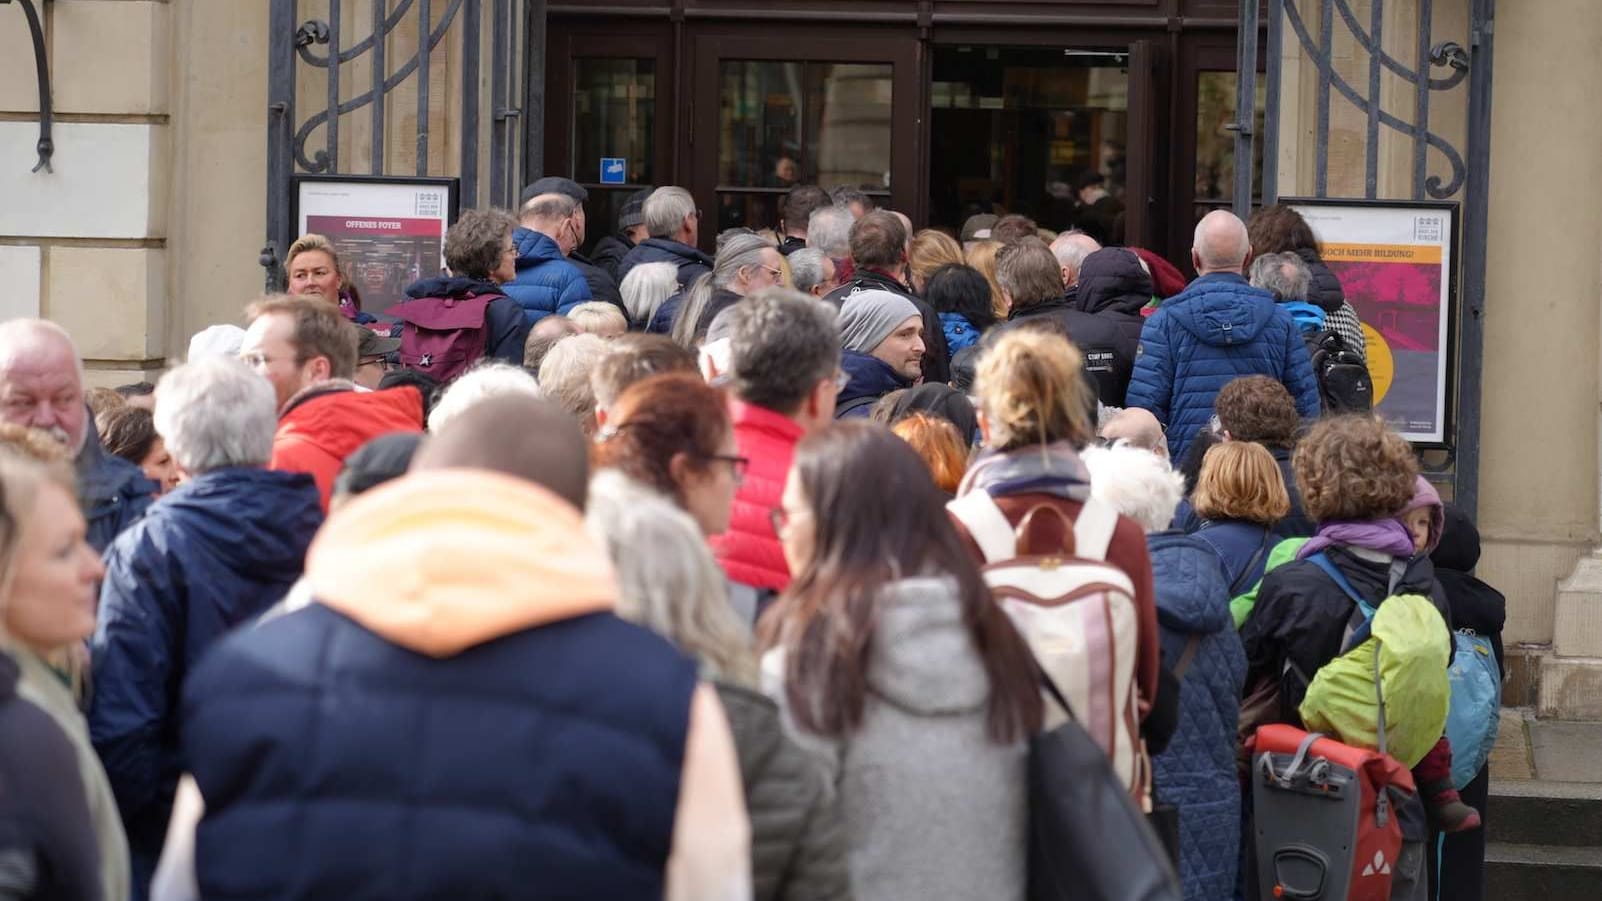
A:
{"x": 659, "y": 573}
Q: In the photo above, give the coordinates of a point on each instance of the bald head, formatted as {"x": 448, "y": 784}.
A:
{"x": 41, "y": 380}
{"x": 520, "y": 436}
{"x": 1070, "y": 250}
{"x": 1138, "y": 428}
{"x": 1221, "y": 244}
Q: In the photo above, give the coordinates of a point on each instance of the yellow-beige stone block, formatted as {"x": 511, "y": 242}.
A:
{"x": 19, "y": 83}
{"x": 111, "y": 299}
{"x": 110, "y": 56}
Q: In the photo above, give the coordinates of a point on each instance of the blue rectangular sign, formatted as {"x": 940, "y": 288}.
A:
{"x": 614, "y": 170}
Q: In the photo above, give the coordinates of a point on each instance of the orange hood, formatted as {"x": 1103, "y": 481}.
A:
{"x": 339, "y": 420}
{"x": 441, "y": 561}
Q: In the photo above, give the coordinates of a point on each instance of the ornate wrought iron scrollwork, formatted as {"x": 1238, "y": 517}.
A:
{"x": 46, "y": 147}
{"x": 317, "y": 32}
{"x": 1447, "y": 54}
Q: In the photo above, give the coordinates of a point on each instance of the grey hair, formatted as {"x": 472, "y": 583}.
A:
{"x": 484, "y": 381}
{"x": 216, "y": 412}
{"x": 565, "y": 376}
{"x": 1283, "y": 275}
{"x": 646, "y": 287}
{"x": 806, "y": 269}
{"x": 1137, "y": 483}
{"x": 685, "y": 330}
{"x": 829, "y": 230}
{"x": 666, "y": 209}
{"x": 548, "y": 208}
{"x": 667, "y": 579}
{"x": 18, "y": 335}
{"x": 1070, "y": 248}
{"x": 781, "y": 344}
{"x": 739, "y": 251}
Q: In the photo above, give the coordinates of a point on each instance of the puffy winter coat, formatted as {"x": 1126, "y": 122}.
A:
{"x": 1242, "y": 550}
{"x": 215, "y": 552}
{"x": 112, "y": 492}
{"x": 749, "y": 551}
{"x": 505, "y": 326}
{"x": 797, "y": 842}
{"x": 1106, "y": 322}
{"x": 547, "y": 283}
{"x": 602, "y": 284}
{"x": 1219, "y": 329}
{"x": 936, "y": 356}
{"x": 868, "y": 379}
{"x": 322, "y": 426}
{"x": 690, "y": 261}
{"x": 609, "y": 252}
{"x": 1196, "y": 773}
{"x": 960, "y": 333}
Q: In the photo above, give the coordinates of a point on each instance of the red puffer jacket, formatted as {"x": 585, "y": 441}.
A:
{"x": 749, "y": 552}
{"x": 323, "y": 425}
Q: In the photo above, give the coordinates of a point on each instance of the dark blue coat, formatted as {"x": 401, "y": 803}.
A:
{"x": 112, "y": 492}
{"x": 213, "y": 553}
{"x": 1219, "y": 329}
{"x": 546, "y": 282}
{"x": 505, "y": 326}
{"x": 691, "y": 262}
{"x": 1242, "y": 548}
{"x": 868, "y": 379}
{"x": 543, "y": 764}
{"x": 1196, "y": 773}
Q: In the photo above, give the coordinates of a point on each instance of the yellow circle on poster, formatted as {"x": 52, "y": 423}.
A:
{"x": 1381, "y": 365}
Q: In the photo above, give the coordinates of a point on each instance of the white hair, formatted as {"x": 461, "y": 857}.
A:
{"x": 829, "y": 230}
{"x": 597, "y": 315}
{"x": 668, "y": 581}
{"x": 806, "y": 268}
{"x": 565, "y": 375}
{"x": 646, "y": 287}
{"x": 666, "y": 209}
{"x": 20, "y": 337}
{"x": 216, "y": 412}
{"x": 486, "y": 380}
{"x": 1137, "y": 483}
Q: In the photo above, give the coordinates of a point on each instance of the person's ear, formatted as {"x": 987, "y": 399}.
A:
{"x": 321, "y": 369}
{"x": 1195, "y": 260}
{"x": 1246, "y": 264}
{"x": 679, "y": 467}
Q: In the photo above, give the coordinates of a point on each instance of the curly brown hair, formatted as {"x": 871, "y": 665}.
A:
{"x": 1279, "y": 229}
{"x": 473, "y": 246}
{"x": 1258, "y": 408}
{"x": 1355, "y": 468}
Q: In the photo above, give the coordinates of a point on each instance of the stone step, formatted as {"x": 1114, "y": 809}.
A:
{"x": 1557, "y": 814}
{"x": 1542, "y": 872}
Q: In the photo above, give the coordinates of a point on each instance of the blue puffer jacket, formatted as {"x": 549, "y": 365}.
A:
{"x": 1196, "y": 773}
{"x": 213, "y": 553}
{"x": 868, "y": 379}
{"x": 960, "y": 333}
{"x": 546, "y": 282}
{"x": 1219, "y": 329}
{"x": 112, "y": 492}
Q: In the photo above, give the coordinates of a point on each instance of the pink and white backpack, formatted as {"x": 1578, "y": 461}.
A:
{"x": 1078, "y": 614}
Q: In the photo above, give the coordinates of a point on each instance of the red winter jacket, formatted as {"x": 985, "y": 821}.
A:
{"x": 749, "y": 552}
{"x": 323, "y": 425}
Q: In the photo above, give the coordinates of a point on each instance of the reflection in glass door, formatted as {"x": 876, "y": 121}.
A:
{"x": 1041, "y": 131}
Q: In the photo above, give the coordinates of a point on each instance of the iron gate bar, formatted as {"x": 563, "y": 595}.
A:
{"x": 1476, "y": 227}
{"x": 500, "y": 66}
{"x": 424, "y": 45}
{"x": 1326, "y": 71}
{"x": 331, "y": 133}
{"x": 1376, "y": 16}
{"x": 280, "y": 135}
{"x": 379, "y": 49}
{"x": 1276, "y": 53}
{"x": 1245, "y": 106}
{"x": 45, "y": 146}
{"x": 1421, "y": 100}
{"x": 472, "y": 39}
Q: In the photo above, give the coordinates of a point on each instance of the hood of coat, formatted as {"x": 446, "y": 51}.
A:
{"x": 340, "y": 420}
{"x": 1425, "y": 496}
{"x": 451, "y": 286}
{"x": 1324, "y": 290}
{"x": 684, "y": 253}
{"x": 923, "y": 656}
{"x": 1459, "y": 547}
{"x": 1112, "y": 279}
{"x": 1222, "y": 310}
{"x": 1192, "y": 595}
{"x": 534, "y": 248}
{"x": 256, "y": 521}
{"x": 442, "y": 561}
{"x": 868, "y": 376}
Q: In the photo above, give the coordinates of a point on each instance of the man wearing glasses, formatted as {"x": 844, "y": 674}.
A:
{"x": 675, "y": 226}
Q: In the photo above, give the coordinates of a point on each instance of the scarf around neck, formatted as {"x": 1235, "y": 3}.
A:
{"x": 1385, "y": 536}
{"x": 1053, "y": 469}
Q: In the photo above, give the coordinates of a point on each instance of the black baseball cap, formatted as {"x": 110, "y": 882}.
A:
{"x": 555, "y": 184}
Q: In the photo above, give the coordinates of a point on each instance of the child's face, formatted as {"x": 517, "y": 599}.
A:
{"x": 1418, "y": 523}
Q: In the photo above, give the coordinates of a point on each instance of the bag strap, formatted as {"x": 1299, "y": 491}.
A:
{"x": 1093, "y": 530}
{"x": 1379, "y": 695}
{"x": 1251, "y": 566}
{"x": 1054, "y": 692}
{"x": 980, "y": 515}
{"x": 1188, "y": 656}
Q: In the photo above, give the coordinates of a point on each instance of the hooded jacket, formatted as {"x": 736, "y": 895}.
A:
{"x": 1196, "y": 773}
{"x": 932, "y": 807}
{"x": 868, "y": 379}
{"x": 691, "y": 262}
{"x": 437, "y": 727}
{"x": 1105, "y": 323}
{"x": 1324, "y": 291}
{"x": 1475, "y": 605}
{"x": 936, "y": 355}
{"x": 749, "y": 551}
{"x": 505, "y": 326}
{"x": 1219, "y": 329}
{"x": 547, "y": 283}
{"x": 602, "y": 284}
{"x": 213, "y": 553}
{"x": 326, "y": 423}
{"x": 112, "y": 492}
{"x": 609, "y": 252}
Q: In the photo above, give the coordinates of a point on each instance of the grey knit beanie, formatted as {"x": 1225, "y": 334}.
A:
{"x": 868, "y": 317}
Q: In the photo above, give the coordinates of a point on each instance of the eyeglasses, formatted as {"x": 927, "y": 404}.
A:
{"x": 381, "y": 362}
{"x": 778, "y": 274}
{"x": 737, "y": 465}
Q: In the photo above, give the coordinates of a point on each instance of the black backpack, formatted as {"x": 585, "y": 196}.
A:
{"x": 1344, "y": 385}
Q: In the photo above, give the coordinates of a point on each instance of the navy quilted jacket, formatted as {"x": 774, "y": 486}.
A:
{"x": 546, "y": 284}
{"x": 1219, "y": 329}
{"x": 1196, "y": 773}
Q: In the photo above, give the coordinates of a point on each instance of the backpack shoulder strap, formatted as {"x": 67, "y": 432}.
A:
{"x": 1188, "y": 656}
{"x": 979, "y": 514}
{"x": 1323, "y": 562}
{"x": 1093, "y": 530}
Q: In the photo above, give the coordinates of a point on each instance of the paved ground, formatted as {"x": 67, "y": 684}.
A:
{"x": 1549, "y": 750}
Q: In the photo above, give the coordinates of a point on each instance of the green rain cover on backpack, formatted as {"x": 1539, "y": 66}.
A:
{"x": 1413, "y": 645}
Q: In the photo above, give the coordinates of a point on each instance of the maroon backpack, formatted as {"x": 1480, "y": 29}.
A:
{"x": 443, "y": 336}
